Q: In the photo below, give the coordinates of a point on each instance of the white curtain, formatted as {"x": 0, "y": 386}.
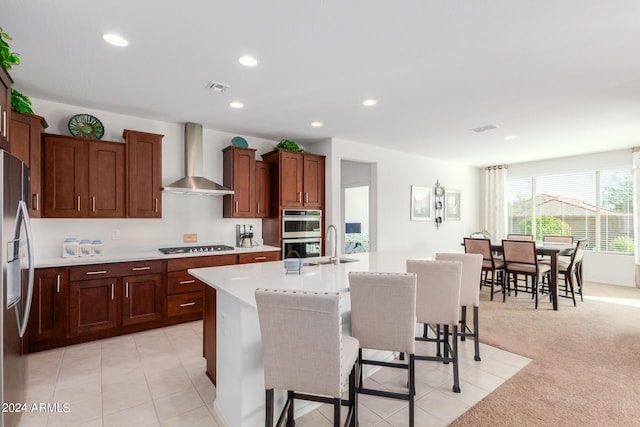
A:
{"x": 495, "y": 202}
{"x": 636, "y": 213}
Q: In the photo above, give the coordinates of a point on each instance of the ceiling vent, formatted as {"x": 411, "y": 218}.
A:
{"x": 485, "y": 128}
{"x": 217, "y": 86}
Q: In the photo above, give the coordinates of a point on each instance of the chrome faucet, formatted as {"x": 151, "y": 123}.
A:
{"x": 334, "y": 256}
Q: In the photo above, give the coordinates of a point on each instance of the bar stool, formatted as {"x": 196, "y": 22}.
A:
{"x": 383, "y": 317}
{"x": 438, "y": 303}
{"x": 469, "y": 294}
{"x": 305, "y": 352}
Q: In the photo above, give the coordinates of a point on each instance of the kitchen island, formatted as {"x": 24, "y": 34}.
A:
{"x": 238, "y": 368}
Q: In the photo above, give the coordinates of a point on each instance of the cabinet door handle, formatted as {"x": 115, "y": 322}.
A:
{"x": 126, "y": 289}
{"x": 258, "y": 207}
{"x": 299, "y": 198}
{"x": 187, "y": 282}
{"x": 4, "y": 123}
{"x": 78, "y": 203}
{"x": 187, "y": 304}
{"x": 93, "y": 203}
{"x": 58, "y": 283}
{"x": 140, "y": 268}
{"x": 259, "y": 258}
{"x": 236, "y": 207}
{"x": 156, "y": 204}
{"x": 113, "y": 291}
{"x": 89, "y": 273}
{"x": 36, "y": 202}
{"x": 306, "y": 197}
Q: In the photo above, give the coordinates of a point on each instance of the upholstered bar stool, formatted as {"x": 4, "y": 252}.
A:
{"x": 469, "y": 294}
{"x": 305, "y": 352}
{"x": 438, "y": 303}
{"x": 383, "y": 317}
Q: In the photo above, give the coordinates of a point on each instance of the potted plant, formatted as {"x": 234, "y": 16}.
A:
{"x": 19, "y": 102}
{"x": 286, "y": 144}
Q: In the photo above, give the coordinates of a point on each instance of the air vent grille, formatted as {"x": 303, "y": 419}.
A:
{"x": 485, "y": 128}
{"x": 217, "y": 86}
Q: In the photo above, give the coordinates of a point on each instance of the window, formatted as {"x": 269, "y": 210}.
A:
{"x": 596, "y": 206}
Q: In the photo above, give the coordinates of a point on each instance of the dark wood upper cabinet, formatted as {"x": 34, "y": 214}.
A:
{"x": 239, "y": 175}
{"x": 106, "y": 180}
{"x": 5, "y": 107}
{"x": 263, "y": 189}
{"x": 83, "y": 178}
{"x": 25, "y": 142}
{"x": 298, "y": 178}
{"x": 66, "y": 173}
{"x": 144, "y": 174}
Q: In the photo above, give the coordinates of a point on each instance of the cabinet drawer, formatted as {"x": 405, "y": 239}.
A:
{"x": 181, "y": 281}
{"x": 258, "y": 257}
{"x": 96, "y": 271}
{"x": 177, "y": 264}
{"x": 187, "y": 303}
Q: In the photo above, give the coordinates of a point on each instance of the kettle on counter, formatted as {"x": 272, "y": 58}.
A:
{"x": 244, "y": 236}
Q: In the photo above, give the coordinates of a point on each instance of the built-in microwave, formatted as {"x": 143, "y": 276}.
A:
{"x": 301, "y": 223}
{"x": 302, "y": 248}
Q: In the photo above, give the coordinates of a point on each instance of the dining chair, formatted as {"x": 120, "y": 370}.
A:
{"x": 571, "y": 269}
{"x": 383, "y": 317}
{"x": 490, "y": 262}
{"x": 305, "y": 352}
{"x": 520, "y": 259}
{"x": 438, "y": 304}
{"x": 469, "y": 294}
{"x": 557, "y": 239}
{"x": 526, "y": 237}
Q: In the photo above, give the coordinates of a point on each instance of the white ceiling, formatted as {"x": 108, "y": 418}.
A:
{"x": 562, "y": 75}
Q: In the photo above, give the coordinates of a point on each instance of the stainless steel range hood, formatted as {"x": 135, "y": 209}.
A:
{"x": 194, "y": 182}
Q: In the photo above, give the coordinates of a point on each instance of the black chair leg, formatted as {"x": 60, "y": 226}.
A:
{"x": 475, "y": 334}
{"x": 290, "y": 420}
{"x": 337, "y": 403}
{"x": 456, "y": 379}
{"x": 412, "y": 388}
{"x": 463, "y": 323}
{"x": 353, "y": 394}
{"x": 359, "y": 362}
{"x": 445, "y": 342}
{"x": 269, "y": 409}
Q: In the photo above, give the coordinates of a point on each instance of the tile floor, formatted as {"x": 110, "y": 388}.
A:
{"x": 156, "y": 378}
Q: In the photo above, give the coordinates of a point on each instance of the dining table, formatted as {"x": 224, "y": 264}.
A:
{"x": 553, "y": 250}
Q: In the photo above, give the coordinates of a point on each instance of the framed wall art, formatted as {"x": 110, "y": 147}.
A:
{"x": 452, "y": 205}
{"x": 420, "y": 203}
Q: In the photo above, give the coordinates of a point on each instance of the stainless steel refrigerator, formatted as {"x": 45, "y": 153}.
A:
{"x": 16, "y": 282}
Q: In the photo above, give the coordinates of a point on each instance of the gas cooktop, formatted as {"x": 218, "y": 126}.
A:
{"x": 195, "y": 249}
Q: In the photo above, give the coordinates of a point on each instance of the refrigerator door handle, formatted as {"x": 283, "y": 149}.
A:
{"x": 23, "y": 217}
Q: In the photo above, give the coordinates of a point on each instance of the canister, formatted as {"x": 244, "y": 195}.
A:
{"x": 96, "y": 247}
{"x": 70, "y": 248}
{"x": 85, "y": 248}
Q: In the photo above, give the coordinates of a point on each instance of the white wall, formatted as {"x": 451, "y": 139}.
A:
{"x": 394, "y": 173}
{"x": 602, "y": 268}
{"x": 180, "y": 213}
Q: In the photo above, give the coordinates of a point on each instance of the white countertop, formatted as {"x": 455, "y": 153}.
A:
{"x": 241, "y": 280}
{"x": 141, "y": 255}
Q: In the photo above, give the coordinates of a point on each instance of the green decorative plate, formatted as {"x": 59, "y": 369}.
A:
{"x": 86, "y": 126}
{"x": 238, "y": 141}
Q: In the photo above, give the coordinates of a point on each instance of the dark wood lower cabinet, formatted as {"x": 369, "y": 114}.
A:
{"x": 50, "y": 305}
{"x": 209, "y": 332}
{"x": 92, "y": 306}
{"x": 142, "y": 299}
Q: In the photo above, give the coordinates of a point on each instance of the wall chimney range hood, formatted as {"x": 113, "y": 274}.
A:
{"x": 194, "y": 182}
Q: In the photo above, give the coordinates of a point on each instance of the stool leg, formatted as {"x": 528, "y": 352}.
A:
{"x": 269, "y": 408}
{"x": 412, "y": 388}
{"x": 445, "y": 341}
{"x": 359, "y": 362}
{"x": 290, "y": 420}
{"x": 336, "y": 412}
{"x": 456, "y": 379}
{"x": 463, "y": 323}
{"x": 353, "y": 395}
{"x": 475, "y": 334}
{"x": 438, "y": 352}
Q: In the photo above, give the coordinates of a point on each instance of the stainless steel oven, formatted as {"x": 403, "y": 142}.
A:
{"x": 305, "y": 248}
{"x": 301, "y": 223}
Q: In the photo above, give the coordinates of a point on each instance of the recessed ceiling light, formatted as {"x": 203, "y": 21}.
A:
{"x": 248, "y": 61}
{"x": 236, "y": 104}
{"x": 316, "y": 124}
{"x": 369, "y": 102}
{"x": 115, "y": 40}
{"x": 510, "y": 137}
